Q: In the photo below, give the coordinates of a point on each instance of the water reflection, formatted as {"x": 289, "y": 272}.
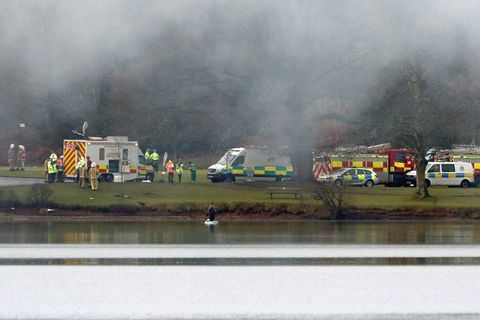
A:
{"x": 174, "y": 232}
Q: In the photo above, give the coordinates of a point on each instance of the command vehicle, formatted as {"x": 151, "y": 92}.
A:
{"x": 116, "y": 158}
{"x": 445, "y": 174}
{"x": 252, "y": 164}
{"x": 390, "y": 165}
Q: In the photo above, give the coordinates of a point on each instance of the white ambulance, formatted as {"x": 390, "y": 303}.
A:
{"x": 116, "y": 157}
{"x": 251, "y": 164}
{"x": 446, "y": 174}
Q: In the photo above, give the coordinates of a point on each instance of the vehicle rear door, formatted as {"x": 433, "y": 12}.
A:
{"x": 349, "y": 176}
{"x": 361, "y": 178}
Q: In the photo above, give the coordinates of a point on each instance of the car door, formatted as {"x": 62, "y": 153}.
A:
{"x": 360, "y": 176}
{"x": 449, "y": 176}
{"x": 349, "y": 175}
{"x": 434, "y": 174}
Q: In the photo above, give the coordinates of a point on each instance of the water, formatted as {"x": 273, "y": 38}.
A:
{"x": 436, "y": 286}
{"x": 303, "y": 233}
{"x": 195, "y": 232}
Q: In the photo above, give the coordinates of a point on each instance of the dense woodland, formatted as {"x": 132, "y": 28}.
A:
{"x": 202, "y": 76}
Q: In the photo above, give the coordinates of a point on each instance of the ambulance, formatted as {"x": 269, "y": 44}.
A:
{"x": 117, "y": 158}
{"x": 251, "y": 164}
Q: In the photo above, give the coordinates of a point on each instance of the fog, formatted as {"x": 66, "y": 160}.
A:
{"x": 192, "y": 76}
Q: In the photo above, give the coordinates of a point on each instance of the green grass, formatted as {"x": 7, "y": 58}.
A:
{"x": 30, "y": 172}
{"x": 187, "y": 195}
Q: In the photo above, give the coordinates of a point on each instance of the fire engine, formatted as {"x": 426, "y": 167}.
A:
{"x": 391, "y": 165}
{"x": 116, "y": 157}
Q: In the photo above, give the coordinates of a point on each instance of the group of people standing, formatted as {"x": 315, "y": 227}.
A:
{"x": 87, "y": 172}
{"x": 16, "y": 159}
{"x": 53, "y": 168}
{"x": 153, "y": 158}
{"x": 177, "y": 168}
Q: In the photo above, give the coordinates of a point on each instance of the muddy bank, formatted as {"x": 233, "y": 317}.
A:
{"x": 251, "y": 213}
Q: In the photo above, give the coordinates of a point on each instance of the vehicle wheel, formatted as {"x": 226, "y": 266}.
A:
{"x": 427, "y": 183}
{"x": 465, "y": 184}
{"x": 109, "y": 178}
{"x": 230, "y": 178}
{"x": 338, "y": 183}
{"x": 369, "y": 184}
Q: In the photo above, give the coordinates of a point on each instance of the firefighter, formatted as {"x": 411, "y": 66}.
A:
{"x": 11, "y": 157}
{"x": 171, "y": 169}
{"x": 45, "y": 169}
{"x": 179, "y": 170}
{"x": 53, "y": 156}
{"x": 154, "y": 159}
{"x": 52, "y": 171}
{"x": 93, "y": 172}
{"x": 82, "y": 170}
{"x": 148, "y": 155}
{"x": 60, "y": 167}
{"x": 87, "y": 174}
{"x": 193, "y": 172}
{"x": 21, "y": 158}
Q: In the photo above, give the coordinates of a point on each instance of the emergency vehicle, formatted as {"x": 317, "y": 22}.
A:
{"x": 351, "y": 176}
{"x": 251, "y": 164}
{"x": 390, "y": 165}
{"x": 116, "y": 158}
{"x": 445, "y": 174}
{"x": 469, "y": 154}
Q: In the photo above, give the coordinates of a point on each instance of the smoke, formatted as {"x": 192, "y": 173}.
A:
{"x": 271, "y": 66}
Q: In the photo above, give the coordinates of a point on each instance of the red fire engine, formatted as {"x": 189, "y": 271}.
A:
{"x": 390, "y": 164}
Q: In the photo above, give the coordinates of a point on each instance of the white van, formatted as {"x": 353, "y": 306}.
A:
{"x": 446, "y": 174}
{"x": 251, "y": 165}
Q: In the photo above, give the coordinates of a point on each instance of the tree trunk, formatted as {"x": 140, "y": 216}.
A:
{"x": 422, "y": 190}
{"x": 302, "y": 163}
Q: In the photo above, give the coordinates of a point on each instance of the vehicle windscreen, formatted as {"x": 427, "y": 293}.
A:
{"x": 339, "y": 171}
{"x": 227, "y": 157}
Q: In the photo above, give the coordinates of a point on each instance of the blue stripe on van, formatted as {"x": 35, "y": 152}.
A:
{"x": 444, "y": 175}
{"x": 460, "y": 175}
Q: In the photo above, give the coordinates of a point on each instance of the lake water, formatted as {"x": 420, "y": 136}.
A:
{"x": 114, "y": 283}
{"x": 245, "y": 233}
{"x": 298, "y": 232}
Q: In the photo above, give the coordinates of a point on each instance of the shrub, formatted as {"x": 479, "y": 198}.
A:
{"x": 333, "y": 197}
{"x": 38, "y": 195}
{"x": 8, "y": 199}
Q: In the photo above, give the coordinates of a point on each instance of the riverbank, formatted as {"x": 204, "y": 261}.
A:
{"x": 234, "y": 201}
{"x": 225, "y": 214}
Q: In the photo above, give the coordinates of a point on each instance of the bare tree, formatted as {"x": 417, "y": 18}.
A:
{"x": 333, "y": 197}
{"x": 417, "y": 132}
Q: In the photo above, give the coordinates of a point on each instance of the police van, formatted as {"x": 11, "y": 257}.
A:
{"x": 446, "y": 174}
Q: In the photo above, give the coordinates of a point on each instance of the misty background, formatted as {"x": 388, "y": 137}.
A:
{"x": 196, "y": 77}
